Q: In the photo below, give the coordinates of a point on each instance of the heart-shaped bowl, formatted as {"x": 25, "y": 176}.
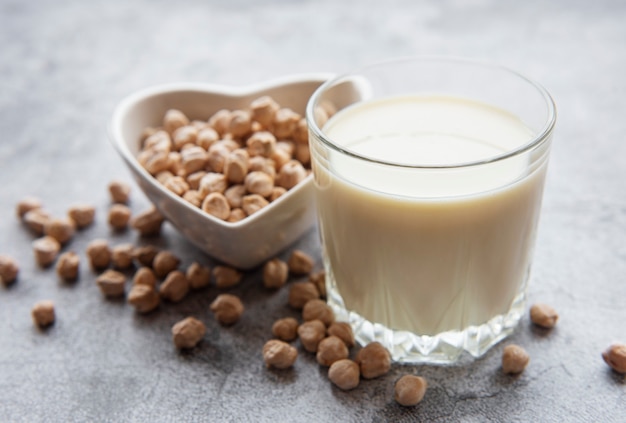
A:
{"x": 258, "y": 237}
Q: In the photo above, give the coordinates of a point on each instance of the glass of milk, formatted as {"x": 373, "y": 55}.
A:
{"x": 429, "y": 175}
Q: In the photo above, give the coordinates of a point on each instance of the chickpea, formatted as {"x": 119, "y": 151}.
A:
{"x": 260, "y": 183}
{"x": 148, "y": 222}
{"x": 236, "y": 215}
{"x": 263, "y": 110}
{"x": 234, "y": 195}
{"x": 207, "y": 137}
{"x": 261, "y": 164}
{"x": 543, "y": 315}
{"x": 99, "y": 254}
{"x": 154, "y": 161}
{"x": 175, "y": 287}
{"x": 275, "y": 273}
{"x": 331, "y": 349}
{"x": 303, "y": 155}
{"x": 216, "y": 205}
{"x": 514, "y": 359}
{"x": 194, "y": 179}
{"x": 194, "y": 198}
{"x": 291, "y": 174}
{"x": 198, "y": 276}
{"x": 174, "y": 119}
{"x": 261, "y": 144}
{"x": 67, "y": 266}
{"x": 226, "y": 277}
{"x": 145, "y": 255}
{"x": 343, "y": 331}
{"x": 344, "y": 374}
{"x": 409, "y": 390}
{"x": 301, "y": 133}
{"x": 374, "y": 360}
{"x": 227, "y": 309}
{"x": 280, "y": 157}
{"x": 9, "y": 270}
{"x": 188, "y": 333}
{"x": 311, "y": 334}
{"x": 301, "y": 293}
{"x": 252, "y": 203}
{"x": 213, "y": 182}
{"x": 216, "y": 157}
{"x": 43, "y": 313}
{"x": 300, "y": 263}
{"x": 193, "y": 159}
{"x": 615, "y": 357}
{"x": 144, "y": 276}
{"x": 159, "y": 141}
{"x": 185, "y": 135}
{"x": 27, "y": 204}
{"x": 82, "y": 215}
{"x": 144, "y": 298}
{"x": 318, "y": 309}
{"x": 285, "y": 122}
{"x": 164, "y": 176}
{"x": 119, "y": 215}
{"x": 61, "y": 229}
{"x": 119, "y": 191}
{"x": 240, "y": 123}
{"x": 279, "y": 354}
{"x": 122, "y": 256}
{"x": 277, "y": 192}
{"x": 236, "y": 166}
{"x": 111, "y": 283}
{"x": 175, "y": 163}
{"x": 220, "y": 121}
{"x": 177, "y": 185}
{"x": 46, "y": 250}
{"x": 36, "y": 220}
{"x": 164, "y": 263}
{"x": 319, "y": 279}
{"x": 285, "y": 329}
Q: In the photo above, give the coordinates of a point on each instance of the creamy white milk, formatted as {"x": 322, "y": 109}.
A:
{"x": 427, "y": 250}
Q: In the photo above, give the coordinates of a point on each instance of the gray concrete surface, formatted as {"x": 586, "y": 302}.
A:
{"x": 65, "y": 64}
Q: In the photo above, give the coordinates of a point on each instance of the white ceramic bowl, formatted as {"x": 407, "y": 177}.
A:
{"x": 251, "y": 241}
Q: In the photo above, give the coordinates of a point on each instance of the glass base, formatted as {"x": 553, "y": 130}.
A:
{"x": 443, "y": 348}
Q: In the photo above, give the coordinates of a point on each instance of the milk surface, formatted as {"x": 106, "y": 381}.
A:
{"x": 427, "y": 250}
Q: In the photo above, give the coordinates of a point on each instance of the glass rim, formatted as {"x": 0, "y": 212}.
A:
{"x": 538, "y": 138}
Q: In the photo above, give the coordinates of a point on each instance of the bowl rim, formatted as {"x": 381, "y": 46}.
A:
{"x": 125, "y": 104}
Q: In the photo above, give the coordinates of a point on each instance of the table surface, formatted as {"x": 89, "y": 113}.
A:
{"x": 65, "y": 64}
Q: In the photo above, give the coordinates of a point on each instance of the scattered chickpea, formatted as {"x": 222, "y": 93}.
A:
{"x": 374, "y": 360}
{"x": 252, "y": 203}
{"x": 188, "y": 333}
{"x": 165, "y": 262}
{"x": 198, "y": 276}
{"x": 111, "y": 283}
{"x": 345, "y": 374}
{"x": 119, "y": 191}
{"x": 275, "y": 273}
{"x": 409, "y": 390}
{"x": 9, "y": 270}
{"x": 27, "y": 204}
{"x": 61, "y": 229}
{"x": 285, "y": 329}
{"x": 226, "y": 277}
{"x": 311, "y": 334}
{"x": 615, "y": 357}
{"x": 318, "y": 309}
{"x": 319, "y": 279}
{"x": 148, "y": 222}
{"x": 301, "y": 293}
{"x": 279, "y": 354}
{"x": 99, "y": 254}
{"x": 144, "y": 276}
{"x": 227, "y": 309}
{"x": 174, "y": 119}
{"x": 331, "y": 349}
{"x": 543, "y": 315}
{"x": 119, "y": 215}
{"x": 144, "y": 298}
{"x": 36, "y": 220}
{"x": 82, "y": 215}
{"x": 67, "y": 266}
{"x": 43, "y": 313}
{"x": 175, "y": 287}
{"x": 514, "y": 359}
{"x": 122, "y": 256}
{"x": 216, "y": 205}
{"x": 343, "y": 331}
{"x": 300, "y": 263}
{"x": 46, "y": 250}
{"x": 145, "y": 255}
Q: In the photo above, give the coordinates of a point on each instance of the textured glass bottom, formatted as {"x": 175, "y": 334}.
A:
{"x": 443, "y": 348}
